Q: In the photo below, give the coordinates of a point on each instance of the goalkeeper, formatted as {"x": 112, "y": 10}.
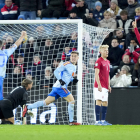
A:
{"x": 4, "y": 55}
{"x": 18, "y": 96}
{"x": 64, "y": 75}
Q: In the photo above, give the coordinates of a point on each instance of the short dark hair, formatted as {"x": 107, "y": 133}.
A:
{"x": 18, "y": 67}
{"x": 115, "y": 39}
{"x": 0, "y": 43}
{"x": 134, "y": 40}
{"x": 123, "y": 12}
{"x": 75, "y": 52}
{"x": 25, "y": 82}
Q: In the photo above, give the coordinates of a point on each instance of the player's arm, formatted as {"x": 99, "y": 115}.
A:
{"x": 58, "y": 75}
{"x": 23, "y": 36}
{"x": 109, "y": 88}
{"x": 98, "y": 79}
{"x": 17, "y": 43}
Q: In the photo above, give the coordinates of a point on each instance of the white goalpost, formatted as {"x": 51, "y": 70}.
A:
{"x": 49, "y": 44}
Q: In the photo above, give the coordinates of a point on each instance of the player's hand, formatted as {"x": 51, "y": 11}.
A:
{"x": 100, "y": 88}
{"x": 62, "y": 82}
{"x": 23, "y": 34}
{"x": 75, "y": 80}
{"x": 109, "y": 88}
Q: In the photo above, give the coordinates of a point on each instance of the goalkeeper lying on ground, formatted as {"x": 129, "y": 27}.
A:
{"x": 18, "y": 96}
{"x": 64, "y": 75}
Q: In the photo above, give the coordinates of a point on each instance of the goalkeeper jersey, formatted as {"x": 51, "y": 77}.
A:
{"x": 18, "y": 96}
{"x": 4, "y": 55}
{"x": 65, "y": 72}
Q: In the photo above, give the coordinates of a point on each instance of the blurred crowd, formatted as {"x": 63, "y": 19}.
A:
{"x": 40, "y": 56}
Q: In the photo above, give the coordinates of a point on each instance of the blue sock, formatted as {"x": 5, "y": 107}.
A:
{"x": 104, "y": 110}
{"x": 71, "y": 112}
{"x": 97, "y": 111}
{"x": 36, "y": 104}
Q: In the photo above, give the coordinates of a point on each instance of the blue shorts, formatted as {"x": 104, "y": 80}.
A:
{"x": 59, "y": 92}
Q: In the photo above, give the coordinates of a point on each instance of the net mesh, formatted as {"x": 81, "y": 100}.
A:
{"x": 48, "y": 46}
{"x": 93, "y": 37}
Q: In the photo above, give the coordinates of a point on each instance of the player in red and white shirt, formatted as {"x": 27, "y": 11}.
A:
{"x": 102, "y": 85}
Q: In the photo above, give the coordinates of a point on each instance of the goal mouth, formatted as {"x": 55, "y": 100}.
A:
{"x": 49, "y": 44}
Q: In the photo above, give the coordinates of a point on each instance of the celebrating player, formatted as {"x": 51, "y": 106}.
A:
{"x": 4, "y": 55}
{"x": 102, "y": 85}
{"x": 18, "y": 96}
{"x": 64, "y": 75}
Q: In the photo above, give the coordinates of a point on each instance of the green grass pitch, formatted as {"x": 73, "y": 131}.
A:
{"x": 65, "y": 132}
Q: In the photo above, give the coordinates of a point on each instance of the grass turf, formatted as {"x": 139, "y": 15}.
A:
{"x": 60, "y": 132}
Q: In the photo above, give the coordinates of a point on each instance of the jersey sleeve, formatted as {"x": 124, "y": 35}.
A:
{"x": 97, "y": 64}
{"x": 25, "y": 97}
{"x": 10, "y": 50}
{"x": 58, "y": 71}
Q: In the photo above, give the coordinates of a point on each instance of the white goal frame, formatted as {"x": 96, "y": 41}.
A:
{"x": 80, "y": 48}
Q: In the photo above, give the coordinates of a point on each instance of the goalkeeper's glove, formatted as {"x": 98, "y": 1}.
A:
{"x": 25, "y": 39}
{"x": 75, "y": 80}
{"x": 62, "y": 82}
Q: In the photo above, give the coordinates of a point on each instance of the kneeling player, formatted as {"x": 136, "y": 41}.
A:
{"x": 102, "y": 85}
{"x": 64, "y": 75}
{"x": 18, "y": 96}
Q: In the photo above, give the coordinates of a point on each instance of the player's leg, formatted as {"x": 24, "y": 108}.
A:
{"x": 8, "y": 121}
{"x": 98, "y": 98}
{"x": 97, "y": 110}
{"x": 104, "y": 110}
{"x": 36, "y": 104}
{"x": 6, "y": 112}
{"x": 51, "y": 97}
{"x": 71, "y": 101}
{"x": 104, "y": 107}
{"x": 11, "y": 119}
{"x": 27, "y": 108}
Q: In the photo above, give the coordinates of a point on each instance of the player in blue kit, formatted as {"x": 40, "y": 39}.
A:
{"x": 4, "y": 55}
{"x": 64, "y": 75}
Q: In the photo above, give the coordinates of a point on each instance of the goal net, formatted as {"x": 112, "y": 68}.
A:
{"x": 49, "y": 45}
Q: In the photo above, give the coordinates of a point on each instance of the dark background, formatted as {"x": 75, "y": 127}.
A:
{"x": 124, "y": 106}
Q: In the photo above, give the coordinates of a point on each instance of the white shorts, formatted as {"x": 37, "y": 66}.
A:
{"x": 103, "y": 96}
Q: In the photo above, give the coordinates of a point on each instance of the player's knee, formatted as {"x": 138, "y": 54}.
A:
{"x": 46, "y": 102}
{"x": 98, "y": 102}
{"x": 105, "y": 103}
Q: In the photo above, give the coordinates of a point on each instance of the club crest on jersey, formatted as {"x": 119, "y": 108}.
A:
{"x": 96, "y": 64}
